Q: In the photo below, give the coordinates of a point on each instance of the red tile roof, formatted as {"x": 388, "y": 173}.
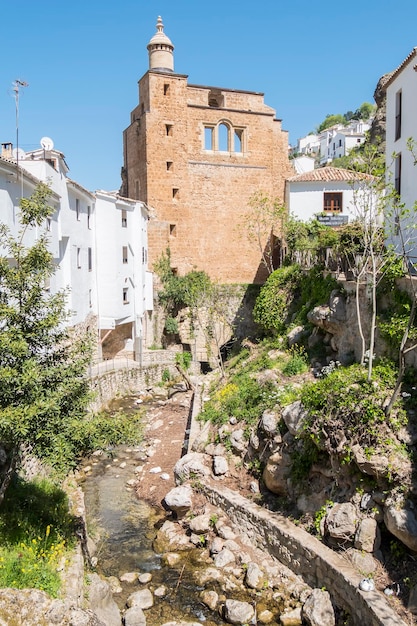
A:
{"x": 328, "y": 174}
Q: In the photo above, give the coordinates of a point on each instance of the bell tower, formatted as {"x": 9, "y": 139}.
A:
{"x": 161, "y": 50}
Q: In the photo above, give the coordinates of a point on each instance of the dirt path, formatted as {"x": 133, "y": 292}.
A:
{"x": 164, "y": 440}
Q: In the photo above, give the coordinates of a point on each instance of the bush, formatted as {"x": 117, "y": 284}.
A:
{"x": 272, "y": 306}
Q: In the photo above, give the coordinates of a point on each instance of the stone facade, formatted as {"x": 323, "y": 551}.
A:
{"x": 195, "y": 155}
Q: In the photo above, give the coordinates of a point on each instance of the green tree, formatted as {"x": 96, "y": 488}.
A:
{"x": 331, "y": 120}
{"x": 44, "y": 390}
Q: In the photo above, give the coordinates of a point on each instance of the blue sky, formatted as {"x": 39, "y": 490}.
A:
{"x": 83, "y": 58}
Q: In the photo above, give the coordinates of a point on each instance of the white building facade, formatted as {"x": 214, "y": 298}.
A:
{"x": 99, "y": 245}
{"x": 333, "y": 195}
{"x": 401, "y": 126}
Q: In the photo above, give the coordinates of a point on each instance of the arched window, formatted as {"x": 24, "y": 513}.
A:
{"x": 223, "y": 137}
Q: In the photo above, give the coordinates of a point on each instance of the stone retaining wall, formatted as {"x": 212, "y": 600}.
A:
{"x": 318, "y": 565}
{"x": 119, "y": 381}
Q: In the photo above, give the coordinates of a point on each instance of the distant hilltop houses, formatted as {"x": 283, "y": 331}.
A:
{"x": 193, "y": 157}
{"x": 332, "y": 143}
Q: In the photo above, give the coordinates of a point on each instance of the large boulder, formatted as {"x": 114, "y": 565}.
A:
{"x": 277, "y": 472}
{"x": 192, "y": 465}
{"x": 179, "y": 500}
{"x": 294, "y": 416}
{"x": 341, "y": 521}
{"x": 101, "y": 601}
{"x": 401, "y": 521}
{"x": 318, "y": 610}
{"x": 368, "y": 536}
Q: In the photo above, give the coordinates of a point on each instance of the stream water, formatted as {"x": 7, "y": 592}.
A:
{"x": 124, "y": 528}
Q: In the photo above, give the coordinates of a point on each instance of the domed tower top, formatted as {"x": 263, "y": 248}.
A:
{"x": 161, "y": 50}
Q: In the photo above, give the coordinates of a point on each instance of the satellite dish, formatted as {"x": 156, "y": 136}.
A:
{"x": 47, "y": 143}
{"x": 19, "y": 154}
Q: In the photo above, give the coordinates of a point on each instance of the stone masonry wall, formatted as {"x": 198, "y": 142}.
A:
{"x": 198, "y": 195}
{"x": 117, "y": 381}
{"x": 306, "y": 556}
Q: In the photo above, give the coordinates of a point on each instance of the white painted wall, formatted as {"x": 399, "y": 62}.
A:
{"x": 406, "y": 81}
{"x": 305, "y": 199}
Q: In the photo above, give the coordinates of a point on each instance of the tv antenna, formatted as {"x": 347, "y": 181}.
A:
{"x": 16, "y": 88}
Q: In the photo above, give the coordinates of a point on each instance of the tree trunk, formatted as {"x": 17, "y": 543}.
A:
{"x": 7, "y": 477}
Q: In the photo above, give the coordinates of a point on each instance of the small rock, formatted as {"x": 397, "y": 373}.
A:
{"x": 132, "y": 482}
{"x": 255, "y": 577}
{"x": 164, "y": 476}
{"x": 142, "y": 599}
{"x": 123, "y": 465}
{"x": 223, "y": 558}
{"x": 291, "y": 617}
{"x": 134, "y": 617}
{"x": 179, "y": 500}
{"x": 367, "y": 584}
{"x": 200, "y": 523}
{"x": 236, "y": 612}
{"x": 160, "y": 592}
{"x": 216, "y": 545}
{"x": 171, "y": 559}
{"x": 155, "y": 470}
{"x": 210, "y": 599}
{"x": 129, "y": 577}
{"x": 145, "y": 578}
{"x": 220, "y": 466}
{"x": 225, "y": 532}
{"x": 265, "y": 616}
{"x": 115, "y": 585}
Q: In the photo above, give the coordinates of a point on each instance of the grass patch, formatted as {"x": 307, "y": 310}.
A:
{"x": 36, "y": 532}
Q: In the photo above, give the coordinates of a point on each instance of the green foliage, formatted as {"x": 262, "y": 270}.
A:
{"x": 321, "y": 514}
{"x": 44, "y": 389}
{"x": 348, "y": 404}
{"x": 298, "y": 362}
{"x": 166, "y": 376}
{"x": 302, "y": 459}
{"x": 183, "y": 359}
{"x": 289, "y": 292}
{"x": 180, "y": 291}
{"x": 101, "y": 430}
{"x": 273, "y": 303}
{"x": 36, "y": 529}
{"x": 331, "y": 120}
{"x": 171, "y": 325}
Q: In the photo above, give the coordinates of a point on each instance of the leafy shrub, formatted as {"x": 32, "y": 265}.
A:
{"x": 183, "y": 359}
{"x": 272, "y": 306}
{"x": 297, "y": 364}
{"x": 171, "y": 325}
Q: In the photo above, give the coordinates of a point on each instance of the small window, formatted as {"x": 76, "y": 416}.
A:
{"x": 78, "y": 257}
{"x": 340, "y": 143}
{"x": 90, "y": 259}
{"x": 142, "y": 108}
{"x": 124, "y": 219}
{"x": 124, "y": 254}
{"x": 90, "y": 299}
{"x": 333, "y": 202}
{"x": 169, "y": 165}
{"x": 398, "y": 114}
{"x": 208, "y": 138}
{"x": 238, "y": 136}
{"x": 144, "y": 255}
{"x": 397, "y": 179}
{"x": 175, "y": 193}
{"x": 166, "y": 89}
{"x": 173, "y": 230}
{"x": 168, "y": 130}
{"x": 48, "y": 224}
{"x": 77, "y": 209}
{"x": 89, "y": 217}
{"x": 125, "y": 295}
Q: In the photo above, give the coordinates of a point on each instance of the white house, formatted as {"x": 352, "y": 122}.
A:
{"x": 334, "y": 195}
{"x": 99, "y": 245}
{"x": 124, "y": 285}
{"x": 401, "y": 125}
{"x": 303, "y": 163}
{"x": 75, "y": 231}
{"x": 338, "y": 140}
